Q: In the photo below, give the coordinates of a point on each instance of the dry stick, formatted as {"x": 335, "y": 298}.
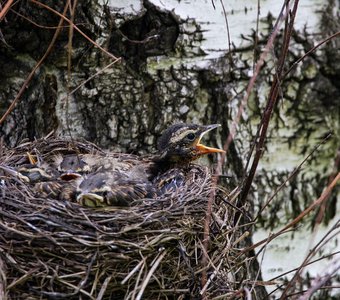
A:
{"x": 21, "y": 279}
{"x": 139, "y": 275}
{"x": 317, "y": 202}
{"x": 116, "y": 59}
{"x": 298, "y": 168}
{"x": 309, "y": 52}
{"x": 91, "y": 77}
{"x": 69, "y": 61}
{"x": 319, "y": 246}
{"x": 295, "y": 269}
{"x": 89, "y": 266}
{"x": 325, "y": 287}
{"x": 212, "y": 276}
{"x": 256, "y": 34}
{"x": 231, "y": 135}
{"x": 30, "y": 76}
{"x": 227, "y": 26}
{"x": 291, "y": 175}
{"x": 75, "y": 288}
{"x": 277, "y": 25}
{"x": 273, "y": 94}
{"x": 295, "y": 65}
{"x": 6, "y": 8}
{"x": 37, "y": 24}
{"x": 103, "y": 288}
{"x": 336, "y": 168}
{"x": 148, "y": 276}
{"x": 258, "y": 273}
{"x": 319, "y": 281}
{"x": 72, "y": 27}
{"x": 307, "y": 264}
{"x": 3, "y": 280}
{"x": 75, "y": 27}
{"x": 134, "y": 270}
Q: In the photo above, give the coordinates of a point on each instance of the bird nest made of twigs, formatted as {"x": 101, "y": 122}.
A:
{"x": 56, "y": 249}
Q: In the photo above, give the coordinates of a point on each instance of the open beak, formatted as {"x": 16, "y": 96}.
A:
{"x": 202, "y": 149}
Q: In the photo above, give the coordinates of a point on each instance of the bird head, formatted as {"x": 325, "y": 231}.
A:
{"x": 181, "y": 143}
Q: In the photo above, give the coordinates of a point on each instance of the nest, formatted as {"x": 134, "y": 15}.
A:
{"x": 56, "y": 249}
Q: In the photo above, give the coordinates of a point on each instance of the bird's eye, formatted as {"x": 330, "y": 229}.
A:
{"x": 191, "y": 136}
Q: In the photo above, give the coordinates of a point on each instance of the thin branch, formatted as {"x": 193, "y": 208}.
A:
{"x": 69, "y": 61}
{"x": 326, "y": 40}
{"x": 227, "y": 27}
{"x": 314, "y": 205}
{"x": 307, "y": 264}
{"x": 5, "y": 9}
{"x": 30, "y": 76}
{"x": 74, "y": 27}
{"x": 317, "y": 247}
{"x": 321, "y": 281}
{"x": 273, "y": 94}
{"x": 230, "y": 138}
{"x": 148, "y": 276}
{"x": 41, "y": 26}
{"x": 291, "y": 175}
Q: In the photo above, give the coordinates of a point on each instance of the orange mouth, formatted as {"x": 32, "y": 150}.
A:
{"x": 202, "y": 149}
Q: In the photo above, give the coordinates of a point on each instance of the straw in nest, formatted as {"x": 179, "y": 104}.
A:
{"x": 59, "y": 249}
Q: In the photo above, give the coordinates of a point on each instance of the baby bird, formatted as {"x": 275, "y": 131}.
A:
{"x": 121, "y": 179}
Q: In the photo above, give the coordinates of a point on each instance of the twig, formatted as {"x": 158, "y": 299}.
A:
{"x": 5, "y": 9}
{"x": 320, "y": 281}
{"x": 291, "y": 175}
{"x": 103, "y": 288}
{"x": 3, "y": 280}
{"x": 228, "y": 32}
{"x": 148, "y": 276}
{"x": 307, "y": 264}
{"x": 273, "y": 94}
{"x": 314, "y": 205}
{"x": 30, "y": 76}
{"x": 212, "y": 276}
{"x": 326, "y": 40}
{"x": 74, "y": 27}
{"x": 69, "y": 60}
{"x": 305, "y": 261}
{"x": 133, "y": 271}
{"x": 230, "y": 138}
